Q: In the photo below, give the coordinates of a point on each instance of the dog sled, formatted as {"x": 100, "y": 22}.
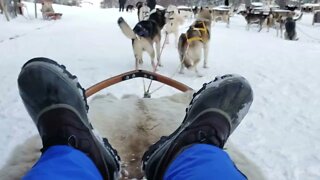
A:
{"x": 47, "y": 11}
{"x": 131, "y": 125}
{"x": 137, "y": 74}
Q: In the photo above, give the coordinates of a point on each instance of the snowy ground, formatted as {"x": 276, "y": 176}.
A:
{"x": 281, "y": 131}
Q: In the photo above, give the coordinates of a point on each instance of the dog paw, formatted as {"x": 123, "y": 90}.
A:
{"x": 140, "y": 61}
{"x": 206, "y": 67}
{"x": 199, "y": 75}
{"x": 181, "y": 72}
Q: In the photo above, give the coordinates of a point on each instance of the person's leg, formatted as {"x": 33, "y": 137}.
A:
{"x": 63, "y": 162}
{"x": 213, "y": 114}
{"x": 202, "y": 161}
{"x": 57, "y": 104}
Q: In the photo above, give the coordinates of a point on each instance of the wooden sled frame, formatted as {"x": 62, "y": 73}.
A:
{"x": 135, "y": 74}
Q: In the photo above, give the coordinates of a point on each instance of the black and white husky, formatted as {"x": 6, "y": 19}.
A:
{"x": 144, "y": 35}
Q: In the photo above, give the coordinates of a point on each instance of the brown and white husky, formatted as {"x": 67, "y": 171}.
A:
{"x": 195, "y": 40}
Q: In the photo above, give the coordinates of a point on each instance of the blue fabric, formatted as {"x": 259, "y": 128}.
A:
{"x": 203, "y": 162}
{"x": 61, "y": 163}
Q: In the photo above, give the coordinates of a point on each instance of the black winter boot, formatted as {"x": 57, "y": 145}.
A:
{"x": 213, "y": 114}
{"x": 57, "y": 104}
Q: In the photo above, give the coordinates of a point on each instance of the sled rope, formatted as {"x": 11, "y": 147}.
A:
{"x": 147, "y": 93}
{"x": 181, "y": 64}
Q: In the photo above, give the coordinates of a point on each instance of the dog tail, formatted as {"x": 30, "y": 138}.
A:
{"x": 297, "y": 18}
{"x": 182, "y": 44}
{"x": 125, "y": 28}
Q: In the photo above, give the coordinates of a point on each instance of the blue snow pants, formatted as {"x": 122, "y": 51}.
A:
{"x": 198, "y": 162}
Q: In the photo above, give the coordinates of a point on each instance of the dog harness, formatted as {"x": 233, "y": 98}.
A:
{"x": 198, "y": 29}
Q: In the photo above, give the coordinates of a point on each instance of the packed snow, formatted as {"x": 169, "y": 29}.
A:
{"x": 280, "y": 134}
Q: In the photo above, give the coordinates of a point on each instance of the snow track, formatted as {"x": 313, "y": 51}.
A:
{"x": 281, "y": 131}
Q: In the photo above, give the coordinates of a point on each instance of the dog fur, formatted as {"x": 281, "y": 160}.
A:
{"x": 143, "y": 11}
{"x": 277, "y": 23}
{"x": 277, "y": 19}
{"x": 254, "y": 18}
{"x": 190, "y": 51}
{"x": 280, "y": 19}
{"x": 144, "y": 35}
{"x": 174, "y": 20}
{"x": 195, "y": 11}
{"x": 221, "y": 15}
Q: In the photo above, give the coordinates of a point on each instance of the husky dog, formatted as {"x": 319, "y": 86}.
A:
{"x": 290, "y": 33}
{"x": 129, "y": 8}
{"x": 195, "y": 10}
{"x": 174, "y": 20}
{"x": 220, "y": 14}
{"x": 277, "y": 19}
{"x": 144, "y": 35}
{"x": 143, "y": 11}
{"x": 277, "y": 23}
{"x": 192, "y": 42}
{"x": 252, "y": 18}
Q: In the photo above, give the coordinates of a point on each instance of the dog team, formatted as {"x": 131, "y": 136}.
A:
{"x": 191, "y": 45}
